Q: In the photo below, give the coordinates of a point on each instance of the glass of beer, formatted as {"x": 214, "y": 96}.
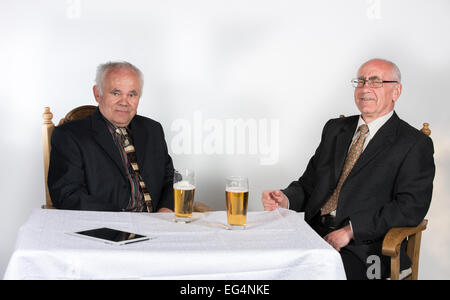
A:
{"x": 183, "y": 192}
{"x": 236, "y": 193}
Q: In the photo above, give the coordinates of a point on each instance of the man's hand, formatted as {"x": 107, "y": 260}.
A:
{"x": 340, "y": 238}
{"x": 274, "y": 199}
{"x": 165, "y": 210}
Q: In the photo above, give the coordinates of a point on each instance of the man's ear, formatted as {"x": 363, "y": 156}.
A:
{"x": 397, "y": 92}
{"x": 96, "y": 91}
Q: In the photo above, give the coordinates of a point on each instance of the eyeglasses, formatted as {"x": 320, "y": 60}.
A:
{"x": 372, "y": 83}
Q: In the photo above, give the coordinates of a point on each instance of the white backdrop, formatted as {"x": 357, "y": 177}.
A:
{"x": 240, "y": 86}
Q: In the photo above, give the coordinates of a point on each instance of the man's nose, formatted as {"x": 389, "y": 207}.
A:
{"x": 366, "y": 86}
{"x": 123, "y": 99}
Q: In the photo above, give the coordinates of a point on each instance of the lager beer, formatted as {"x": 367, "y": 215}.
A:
{"x": 183, "y": 195}
{"x": 237, "y": 200}
{"x": 236, "y": 194}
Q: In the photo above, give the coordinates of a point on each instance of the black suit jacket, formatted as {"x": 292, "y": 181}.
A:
{"x": 389, "y": 186}
{"x": 86, "y": 171}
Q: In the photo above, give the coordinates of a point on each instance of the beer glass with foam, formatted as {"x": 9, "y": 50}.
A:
{"x": 183, "y": 194}
{"x": 236, "y": 193}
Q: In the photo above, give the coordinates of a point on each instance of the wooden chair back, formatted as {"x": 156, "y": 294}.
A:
{"x": 47, "y": 129}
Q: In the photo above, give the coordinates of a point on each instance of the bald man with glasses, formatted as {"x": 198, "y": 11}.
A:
{"x": 371, "y": 172}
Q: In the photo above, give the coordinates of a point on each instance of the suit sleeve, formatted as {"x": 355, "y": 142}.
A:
{"x": 298, "y": 192}
{"x": 166, "y": 200}
{"x": 411, "y": 197}
{"x": 66, "y": 179}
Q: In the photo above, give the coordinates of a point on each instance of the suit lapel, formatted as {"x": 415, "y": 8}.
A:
{"x": 343, "y": 140}
{"x": 381, "y": 141}
{"x": 103, "y": 137}
{"x": 139, "y": 141}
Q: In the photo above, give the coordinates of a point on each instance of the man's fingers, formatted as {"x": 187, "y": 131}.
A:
{"x": 268, "y": 201}
{"x": 267, "y": 194}
{"x": 336, "y": 239}
{"x": 273, "y": 199}
{"x": 277, "y": 196}
{"x": 268, "y": 197}
{"x": 330, "y": 241}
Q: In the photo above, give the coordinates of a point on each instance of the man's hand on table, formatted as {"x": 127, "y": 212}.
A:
{"x": 340, "y": 238}
{"x": 274, "y": 199}
{"x": 165, "y": 210}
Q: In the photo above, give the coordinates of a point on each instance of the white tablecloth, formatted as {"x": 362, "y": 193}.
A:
{"x": 275, "y": 245}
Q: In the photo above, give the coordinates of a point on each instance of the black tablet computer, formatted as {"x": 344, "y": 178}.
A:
{"x": 111, "y": 236}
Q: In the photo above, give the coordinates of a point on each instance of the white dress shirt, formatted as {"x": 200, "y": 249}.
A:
{"x": 374, "y": 126}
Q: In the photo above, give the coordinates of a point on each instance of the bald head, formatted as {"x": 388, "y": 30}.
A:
{"x": 385, "y": 64}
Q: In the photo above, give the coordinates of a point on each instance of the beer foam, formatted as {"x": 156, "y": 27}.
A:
{"x": 236, "y": 189}
{"x": 183, "y": 185}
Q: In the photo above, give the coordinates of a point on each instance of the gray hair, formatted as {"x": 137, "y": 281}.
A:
{"x": 103, "y": 69}
{"x": 395, "y": 70}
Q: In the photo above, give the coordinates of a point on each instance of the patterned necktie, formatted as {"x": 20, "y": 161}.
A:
{"x": 352, "y": 156}
{"x": 131, "y": 156}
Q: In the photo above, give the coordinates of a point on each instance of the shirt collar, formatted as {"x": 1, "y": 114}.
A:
{"x": 376, "y": 124}
{"x": 111, "y": 126}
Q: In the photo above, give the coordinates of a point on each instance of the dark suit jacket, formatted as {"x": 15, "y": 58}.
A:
{"x": 389, "y": 186}
{"x": 86, "y": 171}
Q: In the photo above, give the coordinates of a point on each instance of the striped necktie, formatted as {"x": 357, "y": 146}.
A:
{"x": 352, "y": 156}
{"x": 132, "y": 160}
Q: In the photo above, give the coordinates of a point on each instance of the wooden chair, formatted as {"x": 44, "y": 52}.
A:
{"x": 395, "y": 236}
{"x": 47, "y": 129}
{"x": 391, "y": 247}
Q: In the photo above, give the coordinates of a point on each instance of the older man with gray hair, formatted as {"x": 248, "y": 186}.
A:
{"x": 371, "y": 172}
{"x": 114, "y": 159}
